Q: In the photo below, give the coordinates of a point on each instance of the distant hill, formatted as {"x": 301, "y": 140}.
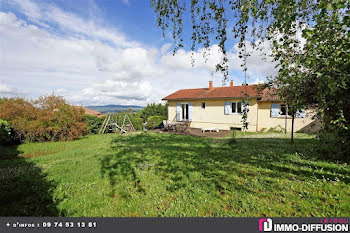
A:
{"x": 115, "y": 108}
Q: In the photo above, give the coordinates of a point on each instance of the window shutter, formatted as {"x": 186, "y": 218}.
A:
{"x": 227, "y": 107}
{"x": 300, "y": 113}
{"x": 275, "y": 110}
{"x": 178, "y": 112}
{"x": 190, "y": 111}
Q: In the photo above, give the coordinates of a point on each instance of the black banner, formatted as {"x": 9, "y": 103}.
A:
{"x": 63, "y": 224}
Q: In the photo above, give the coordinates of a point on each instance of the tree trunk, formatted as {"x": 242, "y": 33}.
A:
{"x": 285, "y": 124}
{"x": 292, "y": 136}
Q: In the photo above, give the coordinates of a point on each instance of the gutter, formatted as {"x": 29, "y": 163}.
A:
{"x": 214, "y": 98}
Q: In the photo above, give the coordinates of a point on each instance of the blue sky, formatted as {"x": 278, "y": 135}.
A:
{"x": 102, "y": 52}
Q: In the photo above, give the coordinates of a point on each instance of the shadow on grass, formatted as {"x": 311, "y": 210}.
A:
{"x": 24, "y": 188}
{"x": 193, "y": 162}
{"x": 122, "y": 166}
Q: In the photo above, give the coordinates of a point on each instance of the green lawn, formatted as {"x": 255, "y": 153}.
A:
{"x": 151, "y": 174}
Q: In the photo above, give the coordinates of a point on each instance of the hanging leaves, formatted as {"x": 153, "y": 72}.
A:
{"x": 309, "y": 41}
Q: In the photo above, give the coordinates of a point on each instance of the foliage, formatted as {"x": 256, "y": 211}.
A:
{"x": 330, "y": 148}
{"x": 5, "y": 132}
{"x": 260, "y": 20}
{"x": 152, "y": 175}
{"x": 154, "y": 110}
{"x": 48, "y": 118}
{"x": 155, "y": 121}
{"x": 134, "y": 118}
{"x": 245, "y": 110}
{"x": 309, "y": 41}
{"x": 233, "y": 138}
{"x": 277, "y": 129}
{"x": 94, "y": 123}
{"x": 136, "y": 121}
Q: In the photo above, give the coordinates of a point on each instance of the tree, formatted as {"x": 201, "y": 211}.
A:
{"x": 48, "y": 118}
{"x": 308, "y": 39}
{"x": 5, "y": 132}
{"x": 154, "y": 110}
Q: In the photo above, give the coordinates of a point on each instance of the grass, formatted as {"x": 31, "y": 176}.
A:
{"x": 152, "y": 174}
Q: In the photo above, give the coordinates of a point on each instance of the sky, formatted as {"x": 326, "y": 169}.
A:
{"x": 98, "y": 52}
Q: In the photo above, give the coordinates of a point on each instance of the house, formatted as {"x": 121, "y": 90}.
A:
{"x": 91, "y": 112}
{"x": 221, "y": 107}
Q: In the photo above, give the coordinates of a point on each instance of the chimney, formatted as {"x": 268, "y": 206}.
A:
{"x": 210, "y": 85}
{"x": 231, "y": 83}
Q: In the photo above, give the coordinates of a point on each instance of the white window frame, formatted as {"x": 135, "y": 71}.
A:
{"x": 205, "y": 105}
{"x": 287, "y": 110}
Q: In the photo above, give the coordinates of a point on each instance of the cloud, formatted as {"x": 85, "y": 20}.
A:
{"x": 182, "y": 59}
{"x": 127, "y": 63}
{"x": 126, "y": 2}
{"x": 29, "y": 47}
{"x": 57, "y": 51}
{"x": 28, "y": 8}
{"x": 85, "y": 71}
{"x": 45, "y": 14}
{"x": 165, "y": 48}
{"x": 8, "y": 91}
{"x": 257, "y": 63}
{"x": 258, "y": 81}
{"x": 115, "y": 91}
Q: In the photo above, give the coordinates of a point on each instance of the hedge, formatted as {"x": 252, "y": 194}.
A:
{"x": 137, "y": 122}
{"x": 94, "y": 123}
{"x": 155, "y": 121}
{"x": 48, "y": 118}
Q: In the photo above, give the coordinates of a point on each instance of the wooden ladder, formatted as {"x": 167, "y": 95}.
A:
{"x": 107, "y": 122}
{"x": 104, "y": 124}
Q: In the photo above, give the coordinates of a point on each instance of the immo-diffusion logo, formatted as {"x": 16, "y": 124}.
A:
{"x": 338, "y": 225}
{"x": 265, "y": 224}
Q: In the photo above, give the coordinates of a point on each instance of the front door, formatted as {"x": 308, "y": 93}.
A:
{"x": 184, "y": 112}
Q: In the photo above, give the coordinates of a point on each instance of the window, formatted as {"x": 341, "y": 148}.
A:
{"x": 203, "y": 105}
{"x": 239, "y": 107}
{"x": 233, "y": 107}
{"x": 279, "y": 110}
{"x": 283, "y": 109}
{"x": 236, "y": 107}
{"x": 184, "y": 111}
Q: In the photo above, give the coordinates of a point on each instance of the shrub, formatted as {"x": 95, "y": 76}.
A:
{"x": 333, "y": 147}
{"x": 48, "y": 118}
{"x": 94, "y": 123}
{"x": 155, "y": 121}
{"x": 5, "y": 132}
{"x": 154, "y": 110}
{"x": 137, "y": 122}
{"x": 277, "y": 129}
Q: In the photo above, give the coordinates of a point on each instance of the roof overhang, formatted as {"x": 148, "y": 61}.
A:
{"x": 214, "y": 98}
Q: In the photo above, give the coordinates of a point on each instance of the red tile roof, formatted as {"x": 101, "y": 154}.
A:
{"x": 91, "y": 112}
{"x": 224, "y": 92}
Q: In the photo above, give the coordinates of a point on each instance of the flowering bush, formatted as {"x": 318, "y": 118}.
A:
{"x": 48, "y": 118}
